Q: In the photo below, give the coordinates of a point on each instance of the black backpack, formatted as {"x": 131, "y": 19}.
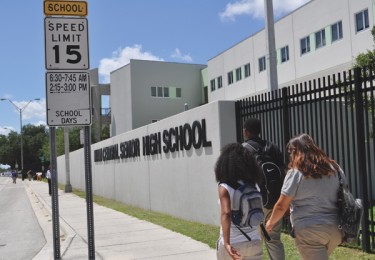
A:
{"x": 273, "y": 177}
{"x": 350, "y": 212}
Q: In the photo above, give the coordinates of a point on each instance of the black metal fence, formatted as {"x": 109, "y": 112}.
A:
{"x": 338, "y": 111}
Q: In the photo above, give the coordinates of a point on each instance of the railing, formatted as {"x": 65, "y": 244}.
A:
{"x": 106, "y": 111}
{"x": 338, "y": 112}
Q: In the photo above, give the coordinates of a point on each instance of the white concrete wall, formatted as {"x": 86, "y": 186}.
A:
{"x": 181, "y": 183}
{"x": 121, "y": 100}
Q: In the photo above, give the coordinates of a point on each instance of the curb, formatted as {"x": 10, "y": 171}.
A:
{"x": 43, "y": 213}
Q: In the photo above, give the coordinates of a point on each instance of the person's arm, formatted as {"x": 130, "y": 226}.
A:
{"x": 226, "y": 221}
{"x": 281, "y": 206}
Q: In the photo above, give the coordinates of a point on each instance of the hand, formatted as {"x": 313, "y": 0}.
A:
{"x": 269, "y": 226}
{"x": 232, "y": 252}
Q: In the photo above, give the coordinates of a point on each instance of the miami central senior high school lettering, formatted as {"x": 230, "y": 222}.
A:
{"x": 175, "y": 139}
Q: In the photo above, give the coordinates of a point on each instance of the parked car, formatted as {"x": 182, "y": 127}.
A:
{"x": 6, "y": 174}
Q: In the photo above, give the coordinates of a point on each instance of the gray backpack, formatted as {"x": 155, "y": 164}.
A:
{"x": 247, "y": 207}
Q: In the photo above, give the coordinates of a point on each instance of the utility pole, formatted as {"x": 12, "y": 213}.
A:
{"x": 68, "y": 186}
{"x": 271, "y": 46}
{"x": 20, "y": 110}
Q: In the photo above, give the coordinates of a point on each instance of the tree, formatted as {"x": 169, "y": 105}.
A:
{"x": 105, "y": 132}
{"x": 74, "y": 141}
{"x": 366, "y": 60}
{"x": 33, "y": 137}
{"x": 10, "y": 149}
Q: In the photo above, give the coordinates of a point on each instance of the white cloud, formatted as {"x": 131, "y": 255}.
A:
{"x": 42, "y": 122}
{"x": 5, "y": 130}
{"x": 122, "y": 57}
{"x": 4, "y": 166}
{"x": 35, "y": 109}
{"x": 178, "y": 55}
{"x": 255, "y": 8}
{"x": 242, "y": 7}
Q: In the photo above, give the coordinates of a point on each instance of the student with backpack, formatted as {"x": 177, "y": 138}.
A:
{"x": 241, "y": 204}
{"x": 310, "y": 191}
{"x": 271, "y": 161}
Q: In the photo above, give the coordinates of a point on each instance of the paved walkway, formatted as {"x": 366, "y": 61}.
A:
{"x": 117, "y": 235}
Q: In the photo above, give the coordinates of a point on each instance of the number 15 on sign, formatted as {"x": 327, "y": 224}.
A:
{"x": 66, "y": 43}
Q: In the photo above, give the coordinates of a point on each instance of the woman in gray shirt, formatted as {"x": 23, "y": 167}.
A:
{"x": 310, "y": 191}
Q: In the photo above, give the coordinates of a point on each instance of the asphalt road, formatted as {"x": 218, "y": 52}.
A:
{"x": 20, "y": 234}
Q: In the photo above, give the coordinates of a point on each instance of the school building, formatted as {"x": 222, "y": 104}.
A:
{"x": 161, "y": 157}
{"x": 318, "y": 39}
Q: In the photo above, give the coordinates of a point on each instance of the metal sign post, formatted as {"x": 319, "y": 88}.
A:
{"x": 54, "y": 195}
{"x": 68, "y": 93}
{"x": 89, "y": 201}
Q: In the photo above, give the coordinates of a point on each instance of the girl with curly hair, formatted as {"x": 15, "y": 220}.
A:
{"x": 236, "y": 166}
{"x": 310, "y": 191}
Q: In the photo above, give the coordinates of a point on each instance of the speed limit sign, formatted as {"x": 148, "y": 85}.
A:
{"x": 66, "y": 43}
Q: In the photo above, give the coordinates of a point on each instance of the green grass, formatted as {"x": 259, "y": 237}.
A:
{"x": 209, "y": 234}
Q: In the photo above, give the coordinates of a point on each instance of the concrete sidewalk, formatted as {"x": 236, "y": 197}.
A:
{"x": 117, "y": 235}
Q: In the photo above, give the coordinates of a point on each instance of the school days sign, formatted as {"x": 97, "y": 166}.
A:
{"x": 183, "y": 137}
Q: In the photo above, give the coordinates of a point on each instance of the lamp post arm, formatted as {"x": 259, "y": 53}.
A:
{"x": 22, "y": 109}
{"x": 17, "y": 107}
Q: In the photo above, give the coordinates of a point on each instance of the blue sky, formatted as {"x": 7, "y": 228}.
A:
{"x": 189, "y": 31}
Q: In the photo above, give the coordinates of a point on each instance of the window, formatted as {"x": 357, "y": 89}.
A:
{"x": 178, "y": 92}
{"x": 160, "y": 92}
{"x": 153, "y": 91}
{"x": 262, "y": 64}
{"x": 247, "y": 70}
{"x": 336, "y": 30}
{"x": 305, "y": 45}
{"x": 212, "y": 83}
{"x": 166, "y": 92}
{"x": 361, "y": 20}
{"x": 320, "y": 38}
{"x": 238, "y": 74}
{"x": 230, "y": 77}
{"x": 284, "y": 54}
{"x": 219, "y": 82}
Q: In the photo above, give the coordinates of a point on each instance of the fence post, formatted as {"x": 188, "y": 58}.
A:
{"x": 360, "y": 127}
{"x": 285, "y": 123}
{"x": 238, "y": 120}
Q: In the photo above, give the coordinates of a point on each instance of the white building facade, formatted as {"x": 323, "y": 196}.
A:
{"x": 168, "y": 166}
{"x": 143, "y": 92}
{"x": 318, "y": 39}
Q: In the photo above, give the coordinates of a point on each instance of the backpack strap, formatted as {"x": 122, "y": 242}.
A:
{"x": 252, "y": 146}
{"x": 233, "y": 185}
{"x": 264, "y": 231}
{"x": 243, "y": 233}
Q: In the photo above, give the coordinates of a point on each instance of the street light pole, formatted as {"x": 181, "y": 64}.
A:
{"x": 271, "y": 46}
{"x": 20, "y": 110}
